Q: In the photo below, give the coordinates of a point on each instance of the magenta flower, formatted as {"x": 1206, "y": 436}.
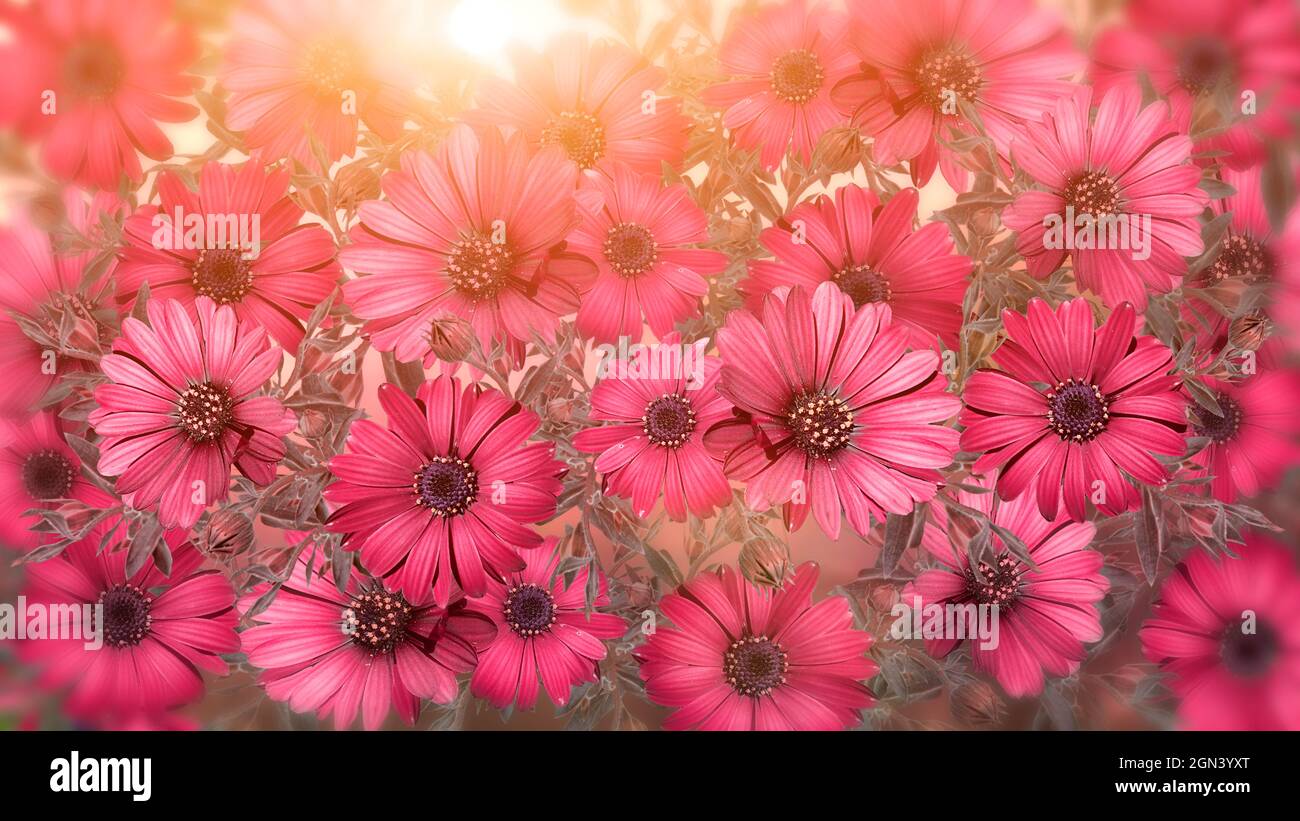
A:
{"x": 1130, "y": 163}
{"x": 467, "y": 233}
{"x": 37, "y": 470}
{"x": 1206, "y": 51}
{"x": 276, "y": 284}
{"x": 1227, "y": 631}
{"x": 1044, "y": 615}
{"x": 835, "y": 414}
{"x": 590, "y": 99}
{"x": 921, "y": 60}
{"x": 1255, "y": 440}
{"x": 160, "y": 631}
{"x": 655, "y": 446}
{"x": 544, "y": 632}
{"x": 364, "y": 650}
{"x": 871, "y": 252}
{"x": 739, "y": 657}
{"x": 781, "y": 65}
{"x": 179, "y": 409}
{"x": 642, "y": 237}
{"x": 90, "y": 80}
{"x": 1107, "y": 403}
{"x": 445, "y": 491}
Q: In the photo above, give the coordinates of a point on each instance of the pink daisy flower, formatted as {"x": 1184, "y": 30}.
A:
{"x": 1044, "y": 616}
{"x": 180, "y": 410}
{"x": 835, "y": 414}
{"x": 444, "y": 492}
{"x": 872, "y": 253}
{"x": 467, "y": 233}
{"x": 781, "y": 64}
{"x": 1257, "y": 438}
{"x": 363, "y": 650}
{"x": 318, "y": 70}
{"x": 1228, "y": 632}
{"x": 543, "y": 631}
{"x": 276, "y": 285}
{"x": 1132, "y": 163}
{"x": 1249, "y": 251}
{"x": 160, "y": 631}
{"x": 113, "y": 68}
{"x": 655, "y": 445}
{"x": 590, "y": 99}
{"x": 1106, "y": 404}
{"x": 37, "y": 470}
{"x": 34, "y": 283}
{"x": 642, "y": 237}
{"x": 1007, "y": 60}
{"x": 740, "y": 657}
{"x": 1208, "y": 53}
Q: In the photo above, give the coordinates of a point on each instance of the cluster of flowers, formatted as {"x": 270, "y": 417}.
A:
{"x": 1001, "y": 418}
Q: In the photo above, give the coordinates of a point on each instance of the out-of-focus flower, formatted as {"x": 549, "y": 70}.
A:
{"x": 871, "y": 252}
{"x": 445, "y": 491}
{"x": 179, "y": 410}
{"x": 740, "y": 657}
{"x": 298, "y": 72}
{"x": 655, "y": 446}
{"x": 467, "y": 233}
{"x": 543, "y": 631}
{"x": 159, "y": 631}
{"x": 275, "y": 284}
{"x": 837, "y": 416}
{"x": 1131, "y": 164}
{"x": 594, "y": 99}
{"x": 366, "y": 650}
{"x": 920, "y": 59}
{"x": 1255, "y": 440}
{"x": 37, "y": 470}
{"x": 1044, "y": 615}
{"x": 1108, "y": 404}
{"x": 90, "y": 79}
{"x": 1212, "y": 54}
{"x": 780, "y": 66}
{"x": 1227, "y": 630}
{"x": 642, "y": 237}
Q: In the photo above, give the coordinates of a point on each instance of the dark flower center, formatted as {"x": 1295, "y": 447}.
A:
{"x": 205, "y": 411}
{"x": 1077, "y": 411}
{"x": 1241, "y": 256}
{"x": 997, "y": 583}
{"x": 1219, "y": 429}
{"x": 580, "y": 135}
{"x": 1092, "y": 192}
{"x": 820, "y": 424}
{"x": 1203, "y": 65}
{"x": 754, "y": 666}
{"x": 447, "y": 486}
{"x": 94, "y": 68}
{"x": 478, "y": 267}
{"x": 48, "y": 474}
{"x": 126, "y": 615}
{"x": 863, "y": 285}
{"x": 331, "y": 67}
{"x": 222, "y": 275}
{"x": 631, "y": 249}
{"x": 377, "y": 619}
{"x": 668, "y": 421}
{"x": 797, "y": 76}
{"x": 947, "y": 74}
{"x": 529, "y": 610}
{"x": 1249, "y": 654}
